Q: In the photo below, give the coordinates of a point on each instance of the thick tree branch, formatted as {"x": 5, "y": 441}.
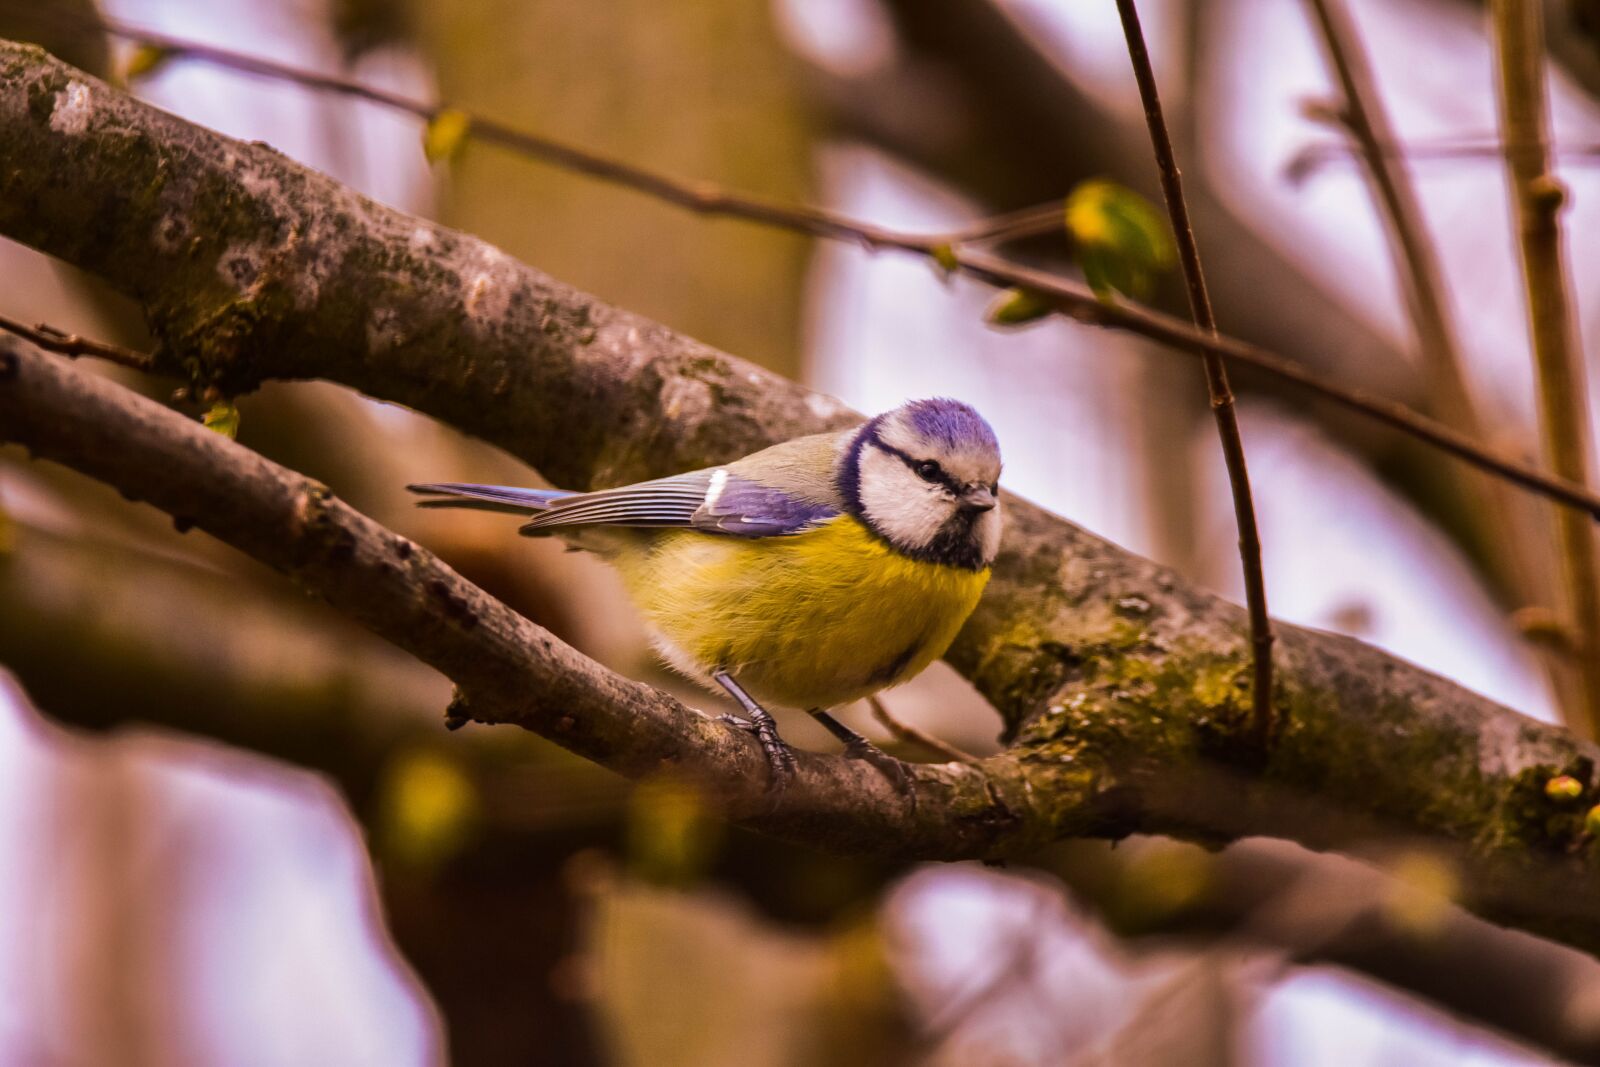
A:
{"x": 506, "y": 668}
{"x": 1125, "y": 693}
{"x": 1070, "y": 299}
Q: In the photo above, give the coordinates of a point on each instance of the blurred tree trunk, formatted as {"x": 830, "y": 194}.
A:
{"x": 701, "y": 90}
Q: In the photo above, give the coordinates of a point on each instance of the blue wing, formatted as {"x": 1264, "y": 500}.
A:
{"x": 711, "y": 500}
{"x": 744, "y": 508}
{"x": 507, "y": 498}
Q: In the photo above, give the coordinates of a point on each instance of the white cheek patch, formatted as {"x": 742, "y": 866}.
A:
{"x": 897, "y": 503}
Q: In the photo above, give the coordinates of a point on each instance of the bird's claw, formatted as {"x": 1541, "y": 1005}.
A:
{"x": 780, "y": 757}
{"x": 894, "y": 770}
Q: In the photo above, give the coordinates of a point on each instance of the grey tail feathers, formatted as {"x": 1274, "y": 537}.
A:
{"x": 506, "y": 498}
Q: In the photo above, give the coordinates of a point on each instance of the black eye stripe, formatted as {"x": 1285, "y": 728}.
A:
{"x": 939, "y": 473}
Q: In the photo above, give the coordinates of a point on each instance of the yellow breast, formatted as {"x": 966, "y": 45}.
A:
{"x": 810, "y": 621}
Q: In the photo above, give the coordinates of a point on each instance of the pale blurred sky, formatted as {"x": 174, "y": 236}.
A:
{"x": 268, "y": 867}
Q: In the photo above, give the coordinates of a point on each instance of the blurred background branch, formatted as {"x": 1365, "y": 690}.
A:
{"x": 943, "y": 119}
{"x": 1133, "y": 778}
{"x": 1058, "y": 293}
{"x": 506, "y": 669}
{"x": 1507, "y": 531}
{"x": 1537, "y": 199}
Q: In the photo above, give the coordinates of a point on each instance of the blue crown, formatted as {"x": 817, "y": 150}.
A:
{"x": 950, "y": 423}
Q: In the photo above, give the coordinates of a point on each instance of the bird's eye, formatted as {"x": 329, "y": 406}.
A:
{"x": 927, "y": 470}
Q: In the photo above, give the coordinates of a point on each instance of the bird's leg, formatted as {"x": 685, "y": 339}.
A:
{"x": 757, "y": 721}
{"x": 858, "y": 747}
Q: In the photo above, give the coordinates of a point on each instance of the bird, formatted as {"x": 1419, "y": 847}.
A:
{"x": 807, "y": 575}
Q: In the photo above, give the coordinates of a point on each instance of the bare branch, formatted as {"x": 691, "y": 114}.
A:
{"x": 1125, "y": 693}
{"x": 1508, "y": 530}
{"x": 1070, "y": 299}
{"x": 1363, "y": 116}
{"x": 507, "y": 669}
{"x": 1537, "y": 199}
{"x": 1222, "y": 407}
{"x": 51, "y": 339}
{"x": 903, "y": 731}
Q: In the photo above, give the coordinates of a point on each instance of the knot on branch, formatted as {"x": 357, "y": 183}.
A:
{"x": 317, "y": 536}
{"x": 224, "y": 348}
{"x": 457, "y": 714}
{"x": 1546, "y": 194}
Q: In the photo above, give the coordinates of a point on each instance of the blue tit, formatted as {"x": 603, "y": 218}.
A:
{"x": 807, "y": 575}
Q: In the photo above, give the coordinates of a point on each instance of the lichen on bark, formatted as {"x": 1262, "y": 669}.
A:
{"x": 1123, "y": 691}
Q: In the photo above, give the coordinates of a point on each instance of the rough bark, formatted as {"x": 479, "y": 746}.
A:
{"x": 1124, "y": 692}
{"x": 506, "y": 668}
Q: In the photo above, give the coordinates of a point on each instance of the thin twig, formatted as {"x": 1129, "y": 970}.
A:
{"x": 910, "y": 735}
{"x": 1026, "y": 222}
{"x": 1222, "y": 406}
{"x": 62, "y": 343}
{"x": 698, "y": 196}
{"x": 1069, "y": 298}
{"x": 1507, "y": 528}
{"x": 1181, "y": 337}
{"x": 1363, "y": 117}
{"x": 1537, "y": 198}
{"x": 1318, "y": 154}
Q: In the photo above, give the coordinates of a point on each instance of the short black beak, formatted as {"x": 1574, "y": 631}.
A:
{"x": 978, "y": 498}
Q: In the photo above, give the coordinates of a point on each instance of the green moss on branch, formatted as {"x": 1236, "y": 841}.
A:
{"x": 1123, "y": 690}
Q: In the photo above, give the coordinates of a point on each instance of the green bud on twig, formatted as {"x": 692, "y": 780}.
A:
{"x": 446, "y": 134}
{"x": 145, "y": 61}
{"x": 1017, "y": 307}
{"x": 222, "y": 417}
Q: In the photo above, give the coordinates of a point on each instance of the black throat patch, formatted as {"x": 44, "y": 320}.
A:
{"x": 955, "y": 545}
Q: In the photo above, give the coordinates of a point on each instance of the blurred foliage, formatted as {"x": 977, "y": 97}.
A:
{"x": 1420, "y": 898}
{"x": 694, "y": 979}
{"x": 1016, "y": 307}
{"x": 672, "y": 835}
{"x": 446, "y": 135}
{"x": 1563, "y": 788}
{"x": 428, "y": 807}
{"x": 704, "y": 90}
{"x": 1585, "y": 18}
{"x": 1163, "y": 880}
{"x": 142, "y": 62}
{"x": 56, "y": 25}
{"x": 1122, "y": 240}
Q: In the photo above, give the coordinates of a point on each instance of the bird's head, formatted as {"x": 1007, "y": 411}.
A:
{"x": 924, "y": 477}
